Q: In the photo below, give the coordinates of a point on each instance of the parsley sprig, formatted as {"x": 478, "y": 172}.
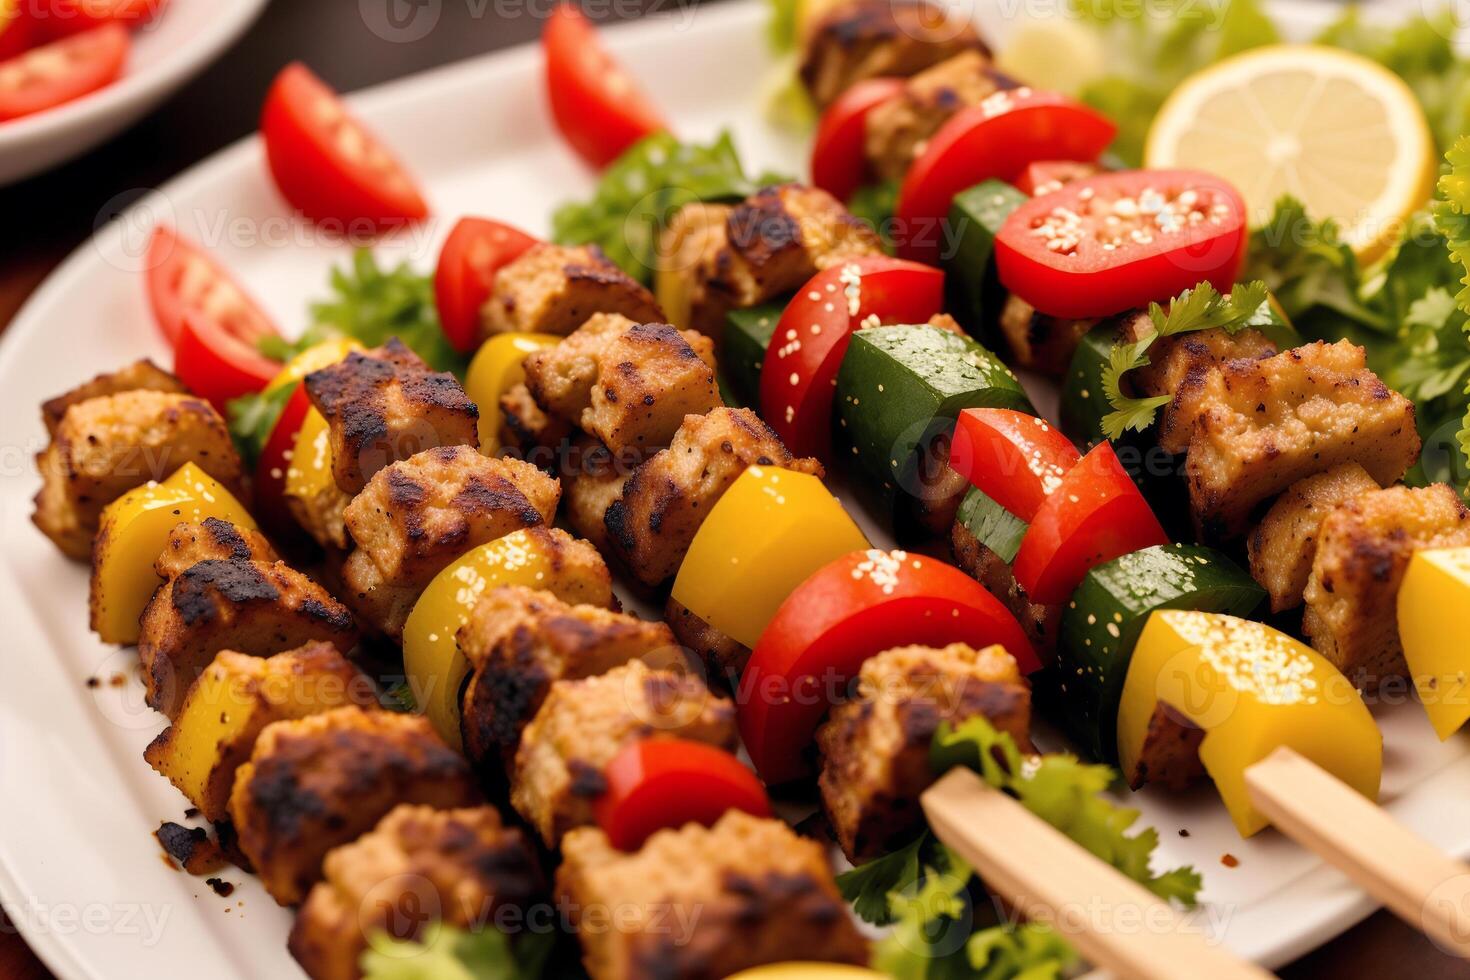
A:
{"x": 1200, "y": 308}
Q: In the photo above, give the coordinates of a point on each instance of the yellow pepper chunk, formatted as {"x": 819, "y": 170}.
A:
{"x": 499, "y": 366}
{"x": 806, "y": 971}
{"x": 134, "y": 532}
{"x": 1252, "y": 690}
{"x": 232, "y": 702}
{"x": 309, "y": 478}
{"x": 1434, "y": 618}
{"x": 762, "y": 539}
{"x": 435, "y": 668}
{"x": 314, "y": 358}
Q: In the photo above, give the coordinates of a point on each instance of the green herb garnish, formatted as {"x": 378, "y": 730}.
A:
{"x": 449, "y": 953}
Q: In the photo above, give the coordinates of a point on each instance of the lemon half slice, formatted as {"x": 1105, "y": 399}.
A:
{"x": 1341, "y": 133}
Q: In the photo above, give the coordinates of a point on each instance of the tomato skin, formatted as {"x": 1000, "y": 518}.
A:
{"x": 1096, "y": 515}
{"x": 1046, "y": 176}
{"x": 474, "y": 251}
{"x": 183, "y": 277}
{"x": 275, "y": 458}
{"x": 1098, "y": 283}
{"x": 839, "y": 159}
{"x": 67, "y": 17}
{"x": 18, "y": 29}
{"x": 658, "y": 783}
{"x": 95, "y": 59}
{"x": 797, "y": 375}
{"x": 315, "y": 174}
{"x": 216, "y": 365}
{"x": 849, "y": 610}
{"x": 595, "y": 103}
{"x": 994, "y": 140}
{"x": 1015, "y": 458}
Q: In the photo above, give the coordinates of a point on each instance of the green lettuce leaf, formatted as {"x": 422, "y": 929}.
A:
{"x": 449, "y": 953}
{"x": 252, "y": 417}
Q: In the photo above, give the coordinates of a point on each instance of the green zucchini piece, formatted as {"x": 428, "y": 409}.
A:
{"x": 899, "y": 387}
{"x": 977, "y": 215}
{"x": 1101, "y": 624}
{"x": 743, "y": 348}
{"x": 993, "y": 526}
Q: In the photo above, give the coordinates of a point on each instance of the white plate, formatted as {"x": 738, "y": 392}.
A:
{"x": 187, "y": 36}
{"x": 78, "y": 870}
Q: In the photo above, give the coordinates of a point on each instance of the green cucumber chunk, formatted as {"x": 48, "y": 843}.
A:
{"x": 743, "y": 349}
{"x": 900, "y": 387}
{"x": 977, "y": 215}
{"x": 1101, "y": 624}
{"x": 993, "y": 526}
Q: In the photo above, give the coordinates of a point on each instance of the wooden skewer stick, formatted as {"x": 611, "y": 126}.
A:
{"x": 1420, "y": 884}
{"x": 1118, "y": 924}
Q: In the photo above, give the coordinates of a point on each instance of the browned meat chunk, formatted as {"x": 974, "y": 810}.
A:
{"x": 764, "y": 894}
{"x": 1283, "y": 545}
{"x": 193, "y": 542}
{"x": 593, "y": 483}
{"x": 875, "y": 748}
{"x": 1170, "y": 752}
{"x": 141, "y": 375}
{"x": 555, "y": 288}
{"x": 990, "y": 570}
{"x": 1038, "y": 341}
{"x": 724, "y": 657}
{"x": 1174, "y": 360}
{"x": 526, "y": 428}
{"x": 898, "y": 129}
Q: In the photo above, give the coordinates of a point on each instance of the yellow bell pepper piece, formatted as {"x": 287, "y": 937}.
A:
{"x": 1252, "y": 690}
{"x": 435, "y": 668}
{"x": 806, "y": 971}
{"x": 134, "y": 532}
{"x": 314, "y": 358}
{"x": 1434, "y": 618}
{"x": 499, "y": 366}
{"x": 309, "y": 477}
{"x": 762, "y": 539}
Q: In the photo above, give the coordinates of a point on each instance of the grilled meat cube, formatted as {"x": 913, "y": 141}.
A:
{"x": 1255, "y": 427}
{"x": 1363, "y": 549}
{"x": 561, "y": 378}
{"x": 940, "y": 489}
{"x": 897, "y": 130}
{"x": 873, "y": 38}
{"x": 555, "y": 288}
{"x": 594, "y": 481}
{"x": 108, "y": 445}
{"x": 724, "y": 657}
{"x": 1174, "y": 360}
{"x": 141, "y": 375}
{"x": 990, "y": 570}
{"x": 763, "y": 895}
{"x": 195, "y": 541}
{"x": 784, "y": 235}
{"x": 384, "y": 405}
{"x": 875, "y": 748}
{"x": 525, "y": 427}
{"x": 520, "y": 641}
{"x": 1282, "y": 546}
{"x": 420, "y": 514}
{"x": 247, "y": 606}
{"x": 1170, "y": 752}
{"x": 1039, "y": 341}
{"x": 419, "y": 865}
{"x": 316, "y": 783}
{"x": 698, "y": 279}
{"x": 581, "y": 726}
{"x": 652, "y": 524}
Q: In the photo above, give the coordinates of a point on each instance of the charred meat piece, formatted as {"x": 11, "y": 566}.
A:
{"x": 594, "y": 481}
{"x": 555, "y": 288}
{"x": 900, "y": 128}
{"x": 990, "y": 570}
{"x": 141, "y": 375}
{"x": 724, "y": 657}
{"x": 526, "y": 428}
{"x": 1040, "y": 341}
{"x": 1282, "y": 546}
{"x": 212, "y": 538}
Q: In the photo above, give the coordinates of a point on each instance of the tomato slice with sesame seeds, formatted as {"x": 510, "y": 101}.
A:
{"x": 1117, "y": 241}
{"x": 1046, "y": 176}
{"x": 845, "y": 612}
{"x": 995, "y": 140}
{"x": 658, "y": 783}
{"x": 800, "y": 369}
{"x": 53, "y": 74}
{"x": 839, "y": 160}
{"x": 1094, "y": 515}
{"x": 1015, "y": 459}
{"x": 326, "y": 164}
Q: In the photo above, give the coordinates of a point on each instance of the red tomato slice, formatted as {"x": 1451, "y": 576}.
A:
{"x": 806, "y": 350}
{"x": 847, "y": 611}
{"x": 326, "y": 163}
{"x": 1117, "y": 241}
{"x": 995, "y": 140}
{"x": 473, "y": 253}
{"x": 17, "y": 28}
{"x": 65, "y": 17}
{"x": 597, "y": 106}
{"x": 275, "y": 459}
{"x": 183, "y": 277}
{"x": 62, "y": 71}
{"x": 217, "y": 365}
{"x": 1053, "y": 175}
{"x": 658, "y": 783}
{"x": 839, "y": 156}
{"x": 1015, "y": 458}
{"x": 1095, "y": 515}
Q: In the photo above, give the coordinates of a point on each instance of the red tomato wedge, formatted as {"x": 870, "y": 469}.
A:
{"x": 812, "y": 336}
{"x": 62, "y": 71}
{"x": 597, "y": 106}
{"x": 994, "y": 140}
{"x": 1014, "y": 458}
{"x": 275, "y": 458}
{"x": 218, "y": 365}
{"x": 839, "y": 158}
{"x": 326, "y": 163}
{"x": 1116, "y": 241}
{"x": 658, "y": 783}
{"x": 473, "y": 253}
{"x": 1095, "y": 515}
{"x": 183, "y": 277}
{"x": 847, "y": 611}
{"x": 1053, "y": 175}
{"x": 17, "y": 28}
{"x": 74, "y": 16}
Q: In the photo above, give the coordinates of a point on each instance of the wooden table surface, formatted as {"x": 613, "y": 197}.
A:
{"x": 42, "y": 220}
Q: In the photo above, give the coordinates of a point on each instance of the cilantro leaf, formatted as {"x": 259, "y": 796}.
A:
{"x": 252, "y": 418}
{"x": 446, "y": 952}
{"x": 868, "y": 887}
